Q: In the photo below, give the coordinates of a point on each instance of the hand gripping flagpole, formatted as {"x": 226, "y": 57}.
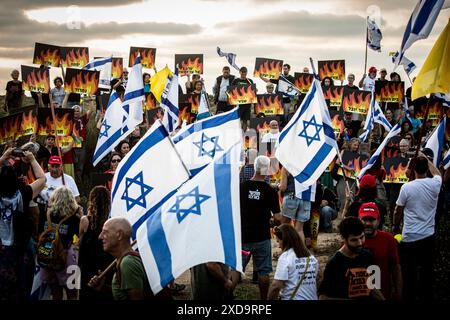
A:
{"x": 338, "y": 153}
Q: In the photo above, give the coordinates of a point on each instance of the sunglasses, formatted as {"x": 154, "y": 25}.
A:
{"x": 115, "y": 160}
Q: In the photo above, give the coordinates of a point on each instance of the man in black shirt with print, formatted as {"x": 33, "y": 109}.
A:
{"x": 258, "y": 202}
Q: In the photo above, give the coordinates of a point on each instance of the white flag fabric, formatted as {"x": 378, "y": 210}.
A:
{"x": 419, "y": 25}
{"x": 286, "y": 87}
{"x": 374, "y": 35}
{"x": 111, "y": 130}
{"x": 132, "y": 99}
{"x": 39, "y": 289}
{"x": 203, "y": 141}
{"x": 436, "y": 141}
{"x": 148, "y": 175}
{"x": 231, "y": 58}
{"x": 307, "y": 144}
{"x": 395, "y": 130}
{"x": 203, "y": 110}
{"x": 444, "y": 98}
{"x": 446, "y": 161}
{"x": 169, "y": 102}
{"x": 302, "y": 193}
{"x": 407, "y": 64}
{"x": 201, "y": 223}
{"x": 375, "y": 115}
{"x": 104, "y": 65}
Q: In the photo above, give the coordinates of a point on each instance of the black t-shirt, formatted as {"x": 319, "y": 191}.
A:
{"x": 346, "y": 277}
{"x": 349, "y": 89}
{"x": 67, "y": 229}
{"x": 14, "y": 91}
{"x": 352, "y": 128}
{"x": 258, "y": 201}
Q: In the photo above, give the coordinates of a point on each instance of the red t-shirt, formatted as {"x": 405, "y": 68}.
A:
{"x": 80, "y": 127}
{"x": 385, "y": 251}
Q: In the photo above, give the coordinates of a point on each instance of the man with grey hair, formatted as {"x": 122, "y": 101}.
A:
{"x": 14, "y": 92}
{"x": 79, "y": 128}
{"x": 259, "y": 201}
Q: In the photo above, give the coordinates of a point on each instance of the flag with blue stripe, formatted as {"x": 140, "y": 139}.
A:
{"x": 307, "y": 144}
{"x": 231, "y": 58}
{"x": 303, "y": 193}
{"x": 443, "y": 98}
{"x": 375, "y": 115}
{"x": 169, "y": 102}
{"x": 286, "y": 87}
{"x": 446, "y": 161}
{"x": 146, "y": 177}
{"x": 200, "y": 223}
{"x": 203, "y": 141}
{"x": 203, "y": 110}
{"x": 133, "y": 98}
{"x": 419, "y": 25}
{"x": 407, "y": 64}
{"x": 104, "y": 65}
{"x": 436, "y": 141}
{"x": 39, "y": 289}
{"x": 111, "y": 130}
{"x": 374, "y": 35}
{"x": 394, "y": 131}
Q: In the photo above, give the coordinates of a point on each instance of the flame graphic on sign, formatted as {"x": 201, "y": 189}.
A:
{"x": 391, "y": 153}
{"x": 77, "y": 57}
{"x": 83, "y": 82}
{"x": 334, "y": 70}
{"x": 398, "y": 174}
{"x": 190, "y": 66}
{"x": 194, "y": 100}
{"x": 63, "y": 125}
{"x": 334, "y": 94}
{"x": 184, "y": 115}
{"x": 243, "y": 95}
{"x": 354, "y": 102}
{"x": 337, "y": 124}
{"x": 147, "y": 57}
{"x": 29, "y": 123}
{"x": 49, "y": 56}
{"x": 37, "y": 81}
{"x": 149, "y": 102}
{"x": 11, "y": 129}
{"x": 391, "y": 92}
{"x": 271, "y": 71}
{"x": 269, "y": 105}
{"x": 117, "y": 67}
{"x": 304, "y": 82}
{"x": 263, "y": 129}
{"x": 435, "y": 113}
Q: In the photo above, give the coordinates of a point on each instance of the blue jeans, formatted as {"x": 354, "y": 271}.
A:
{"x": 262, "y": 255}
{"x": 327, "y": 214}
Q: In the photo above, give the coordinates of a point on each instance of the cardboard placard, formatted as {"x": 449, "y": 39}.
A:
{"x": 335, "y": 69}
{"x": 242, "y": 94}
{"x": 269, "y": 104}
{"x": 35, "y": 79}
{"x": 189, "y": 63}
{"x": 74, "y": 57}
{"x": 147, "y": 56}
{"x": 268, "y": 68}
{"x": 46, "y": 54}
{"x": 81, "y": 81}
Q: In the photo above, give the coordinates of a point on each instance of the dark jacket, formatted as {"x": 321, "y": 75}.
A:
{"x": 217, "y": 86}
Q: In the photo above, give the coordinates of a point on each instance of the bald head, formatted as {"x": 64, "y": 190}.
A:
{"x": 115, "y": 235}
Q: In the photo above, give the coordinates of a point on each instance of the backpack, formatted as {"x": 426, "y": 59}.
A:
{"x": 50, "y": 250}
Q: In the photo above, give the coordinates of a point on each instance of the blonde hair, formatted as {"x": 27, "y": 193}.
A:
{"x": 62, "y": 202}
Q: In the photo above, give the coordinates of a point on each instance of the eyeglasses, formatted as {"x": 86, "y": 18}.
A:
{"x": 115, "y": 160}
{"x": 408, "y": 138}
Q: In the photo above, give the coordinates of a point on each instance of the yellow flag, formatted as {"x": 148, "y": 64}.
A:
{"x": 158, "y": 82}
{"x": 434, "y": 77}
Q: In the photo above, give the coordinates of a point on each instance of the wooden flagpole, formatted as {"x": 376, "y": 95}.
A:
{"x": 365, "y": 58}
{"x": 56, "y": 134}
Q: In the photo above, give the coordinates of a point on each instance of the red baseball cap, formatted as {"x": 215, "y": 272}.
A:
{"x": 368, "y": 181}
{"x": 373, "y": 70}
{"x": 369, "y": 209}
{"x": 55, "y": 160}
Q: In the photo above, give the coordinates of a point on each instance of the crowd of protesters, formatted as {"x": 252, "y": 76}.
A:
{"x": 43, "y": 196}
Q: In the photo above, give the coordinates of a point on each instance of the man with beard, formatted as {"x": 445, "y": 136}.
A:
{"x": 220, "y": 90}
{"x": 384, "y": 249}
{"x": 345, "y": 276}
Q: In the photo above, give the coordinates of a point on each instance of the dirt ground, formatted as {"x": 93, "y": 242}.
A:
{"x": 327, "y": 245}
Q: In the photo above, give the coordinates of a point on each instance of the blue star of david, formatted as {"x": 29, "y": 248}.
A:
{"x": 106, "y": 127}
{"x": 5, "y": 210}
{"x": 144, "y": 191}
{"x": 202, "y": 151}
{"x": 304, "y": 133}
{"x": 195, "y": 208}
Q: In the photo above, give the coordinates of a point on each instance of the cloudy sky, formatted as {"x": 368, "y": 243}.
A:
{"x": 288, "y": 30}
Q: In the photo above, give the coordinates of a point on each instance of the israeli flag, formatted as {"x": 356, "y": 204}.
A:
{"x": 419, "y": 25}
{"x": 446, "y": 161}
{"x": 436, "y": 141}
{"x": 303, "y": 193}
{"x": 104, "y": 65}
{"x": 206, "y": 140}
{"x": 203, "y": 110}
{"x": 407, "y": 64}
{"x": 200, "y": 223}
{"x": 375, "y": 115}
{"x": 133, "y": 98}
{"x": 374, "y": 35}
{"x": 307, "y": 144}
{"x": 394, "y": 131}
{"x": 286, "y": 87}
{"x": 39, "y": 290}
{"x": 148, "y": 175}
{"x": 111, "y": 129}
{"x": 231, "y": 58}
{"x": 444, "y": 98}
{"x": 169, "y": 102}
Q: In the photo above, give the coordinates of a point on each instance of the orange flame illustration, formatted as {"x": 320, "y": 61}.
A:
{"x": 37, "y": 81}
{"x": 270, "y": 106}
{"x": 147, "y": 57}
{"x": 194, "y": 100}
{"x": 184, "y": 115}
{"x": 149, "y": 102}
{"x": 391, "y": 153}
{"x": 83, "y": 82}
{"x": 354, "y": 102}
{"x": 304, "y": 82}
{"x": 242, "y": 96}
{"x": 335, "y": 70}
{"x": 29, "y": 123}
{"x": 357, "y": 164}
{"x": 48, "y": 57}
{"x": 11, "y": 129}
{"x": 263, "y": 129}
{"x": 77, "y": 57}
{"x": 191, "y": 66}
{"x": 391, "y": 92}
{"x": 435, "y": 113}
{"x": 337, "y": 124}
{"x": 266, "y": 70}
{"x": 398, "y": 175}
{"x": 334, "y": 94}
{"x": 46, "y": 128}
{"x": 117, "y": 67}
{"x": 63, "y": 125}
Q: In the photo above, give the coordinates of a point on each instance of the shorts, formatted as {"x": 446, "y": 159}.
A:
{"x": 244, "y": 112}
{"x": 50, "y": 276}
{"x": 262, "y": 255}
{"x": 223, "y": 106}
{"x": 296, "y": 209}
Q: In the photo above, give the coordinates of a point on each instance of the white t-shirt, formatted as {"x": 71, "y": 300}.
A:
{"x": 52, "y": 184}
{"x": 368, "y": 84}
{"x": 290, "y": 269}
{"x": 223, "y": 89}
{"x": 419, "y": 197}
{"x": 270, "y": 137}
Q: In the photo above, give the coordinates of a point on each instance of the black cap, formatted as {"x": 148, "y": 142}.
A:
{"x": 428, "y": 153}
